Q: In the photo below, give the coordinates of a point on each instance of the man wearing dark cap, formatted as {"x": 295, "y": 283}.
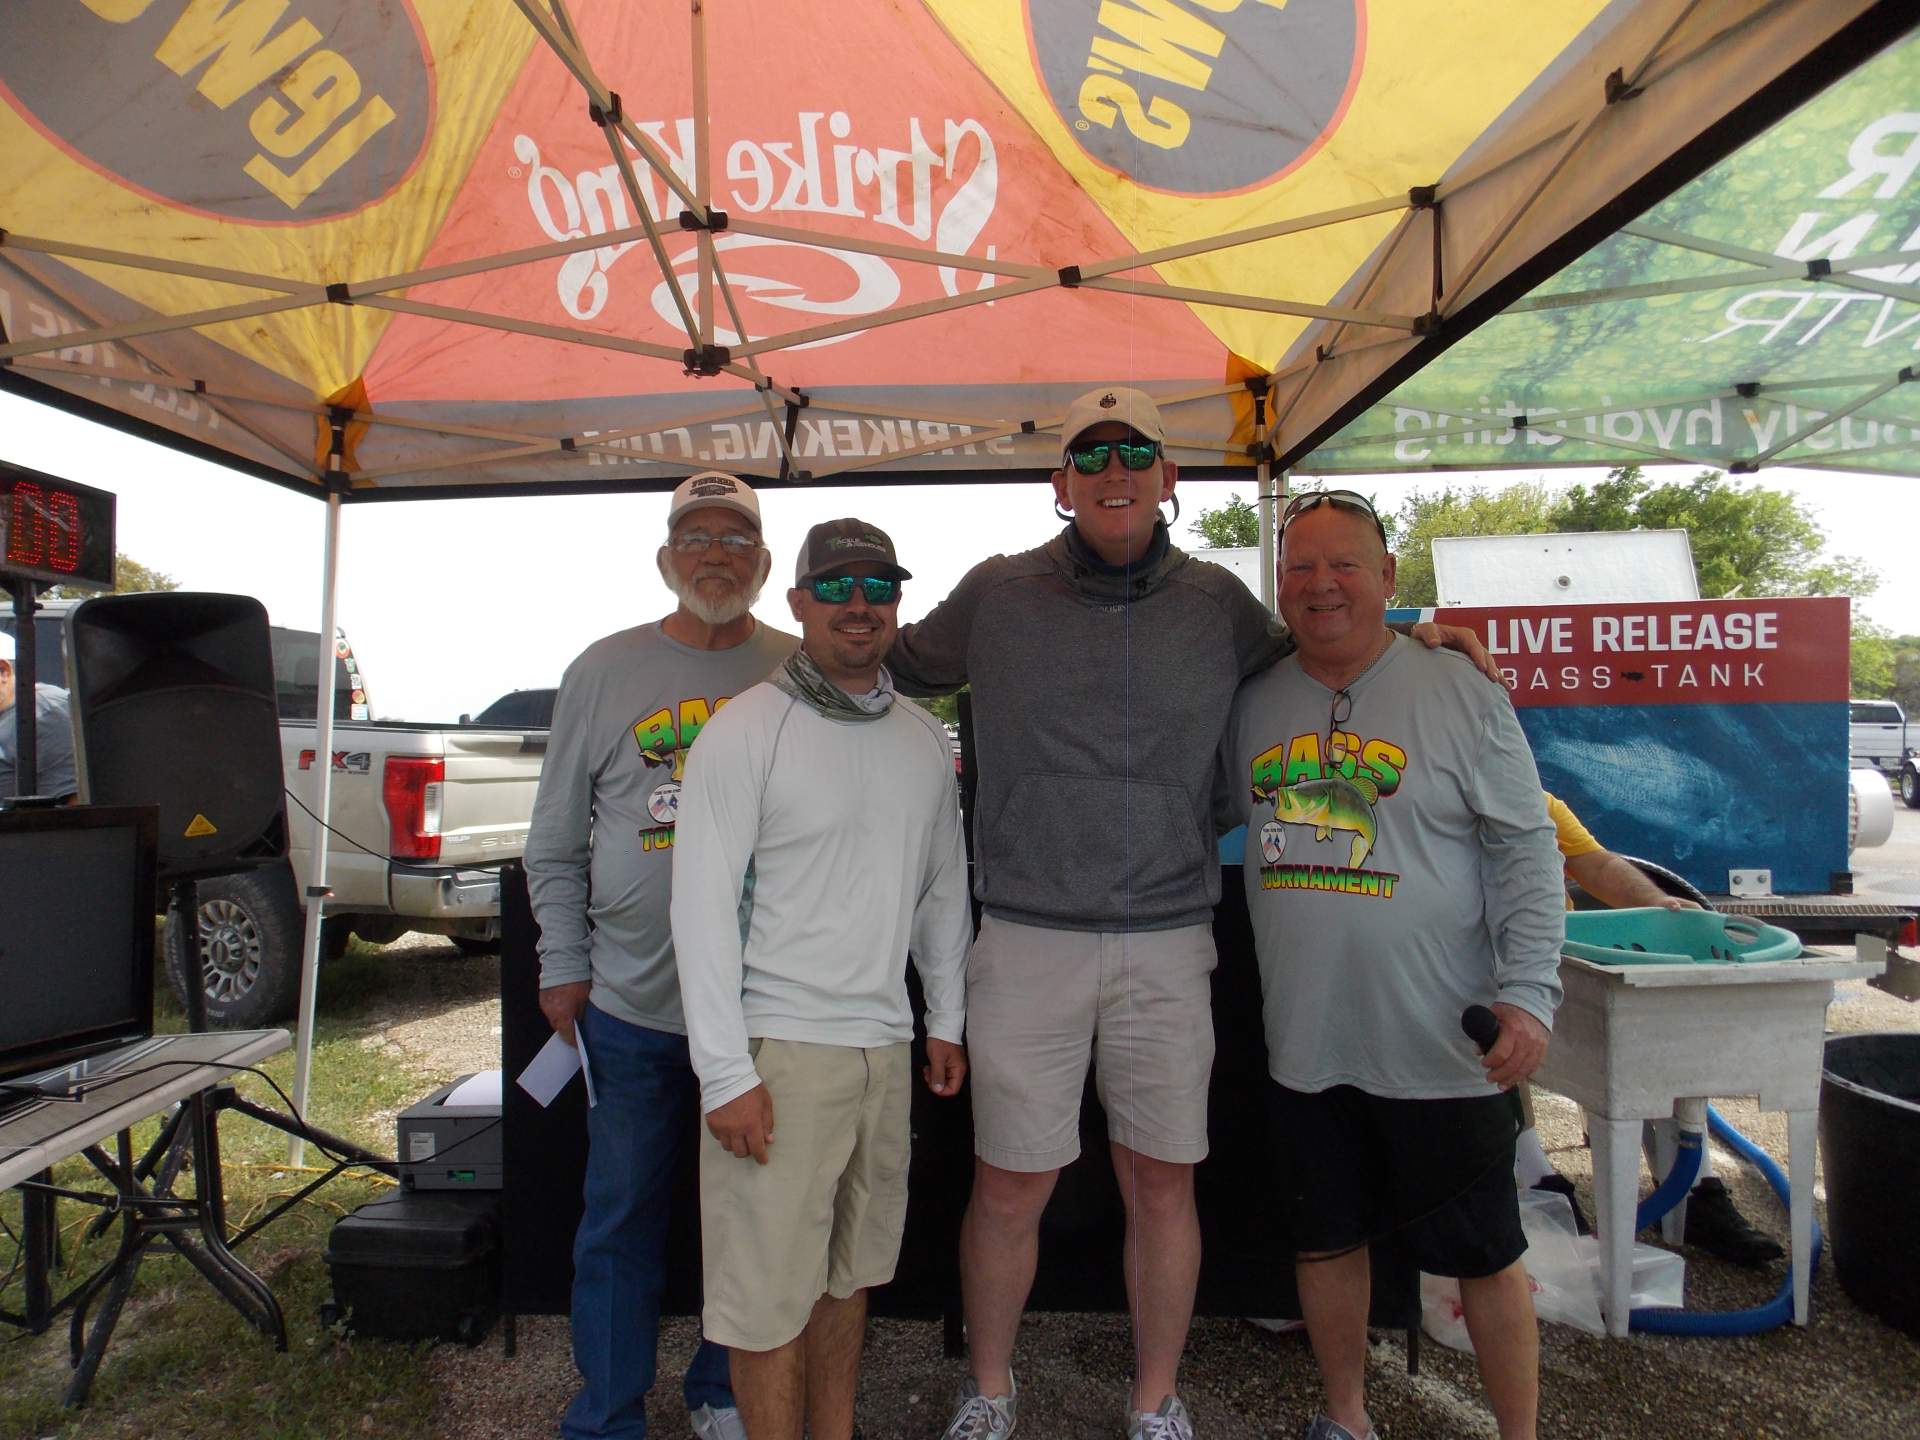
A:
{"x": 599, "y": 864}
{"x": 819, "y": 844}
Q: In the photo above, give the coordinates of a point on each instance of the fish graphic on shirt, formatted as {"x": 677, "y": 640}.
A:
{"x": 1335, "y": 803}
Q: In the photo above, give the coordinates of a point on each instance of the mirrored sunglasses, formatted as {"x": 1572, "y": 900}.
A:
{"x": 838, "y": 589}
{"x": 1091, "y": 458}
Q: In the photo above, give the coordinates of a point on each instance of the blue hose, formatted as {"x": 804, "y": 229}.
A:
{"x": 1651, "y": 1320}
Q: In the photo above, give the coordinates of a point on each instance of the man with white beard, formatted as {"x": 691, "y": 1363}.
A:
{"x": 599, "y": 864}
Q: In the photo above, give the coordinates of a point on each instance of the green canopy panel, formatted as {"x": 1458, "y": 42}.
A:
{"x": 425, "y": 248}
{"x": 1767, "y": 313}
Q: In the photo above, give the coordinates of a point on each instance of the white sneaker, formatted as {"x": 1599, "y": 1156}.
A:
{"x": 712, "y": 1423}
{"x": 1170, "y": 1422}
{"x": 984, "y": 1417}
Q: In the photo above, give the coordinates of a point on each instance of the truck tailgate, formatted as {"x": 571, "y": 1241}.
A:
{"x": 491, "y": 776}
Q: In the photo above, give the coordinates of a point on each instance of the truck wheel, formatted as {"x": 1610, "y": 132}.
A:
{"x": 249, "y": 948}
{"x": 1910, "y": 786}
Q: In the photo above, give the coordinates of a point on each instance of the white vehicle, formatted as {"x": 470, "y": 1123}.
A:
{"x": 1877, "y": 736}
{"x": 422, "y": 816}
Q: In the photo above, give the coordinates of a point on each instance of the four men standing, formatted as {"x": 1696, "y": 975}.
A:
{"x": 822, "y": 847}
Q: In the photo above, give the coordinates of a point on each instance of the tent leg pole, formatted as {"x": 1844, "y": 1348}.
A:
{"x": 315, "y": 897}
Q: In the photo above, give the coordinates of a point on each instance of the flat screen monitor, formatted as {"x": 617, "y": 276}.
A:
{"x": 76, "y": 932}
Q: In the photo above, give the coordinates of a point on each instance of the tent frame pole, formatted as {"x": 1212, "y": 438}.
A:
{"x": 316, "y": 890}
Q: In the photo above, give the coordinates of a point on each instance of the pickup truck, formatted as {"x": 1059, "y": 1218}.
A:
{"x": 1877, "y": 735}
{"x": 422, "y": 818}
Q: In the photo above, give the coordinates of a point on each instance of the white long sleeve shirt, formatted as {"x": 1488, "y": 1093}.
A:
{"x": 852, "y": 830}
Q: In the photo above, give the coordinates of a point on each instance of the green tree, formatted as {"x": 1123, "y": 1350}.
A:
{"x": 1523, "y": 509}
{"x": 1906, "y": 674}
{"x": 1235, "y": 524}
{"x": 129, "y": 576}
{"x": 944, "y": 708}
{"x": 1874, "y": 660}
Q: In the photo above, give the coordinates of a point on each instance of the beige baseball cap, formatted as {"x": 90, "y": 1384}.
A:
{"x": 1132, "y": 408}
{"x": 714, "y": 490}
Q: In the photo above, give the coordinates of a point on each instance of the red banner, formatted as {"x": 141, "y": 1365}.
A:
{"x": 1687, "y": 652}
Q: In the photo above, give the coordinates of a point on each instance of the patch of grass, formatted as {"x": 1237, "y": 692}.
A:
{"x": 183, "y": 1363}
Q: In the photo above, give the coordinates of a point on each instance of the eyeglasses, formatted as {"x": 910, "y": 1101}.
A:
{"x": 697, "y": 544}
{"x": 1091, "y": 458}
{"x": 1337, "y": 715}
{"x": 1345, "y": 499}
{"x": 838, "y": 589}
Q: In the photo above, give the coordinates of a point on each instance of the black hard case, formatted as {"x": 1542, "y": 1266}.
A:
{"x": 417, "y": 1266}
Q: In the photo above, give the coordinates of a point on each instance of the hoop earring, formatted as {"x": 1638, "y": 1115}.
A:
{"x": 1065, "y": 515}
{"x": 1175, "y": 500}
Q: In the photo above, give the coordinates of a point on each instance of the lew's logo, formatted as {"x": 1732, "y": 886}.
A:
{"x": 262, "y": 110}
{"x": 1198, "y": 96}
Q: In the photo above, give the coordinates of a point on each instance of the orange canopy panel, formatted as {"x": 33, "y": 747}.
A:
{"x": 431, "y": 246}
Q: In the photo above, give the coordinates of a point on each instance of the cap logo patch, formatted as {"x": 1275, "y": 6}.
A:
{"x": 702, "y": 489}
{"x": 1109, "y": 400}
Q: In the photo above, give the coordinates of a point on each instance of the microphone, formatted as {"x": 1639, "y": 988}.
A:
{"x": 1482, "y": 1026}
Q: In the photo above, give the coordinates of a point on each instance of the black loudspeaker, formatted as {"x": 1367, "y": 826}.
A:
{"x": 173, "y": 705}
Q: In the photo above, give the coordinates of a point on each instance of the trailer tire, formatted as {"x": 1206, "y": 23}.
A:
{"x": 1910, "y": 785}
{"x": 250, "y": 934}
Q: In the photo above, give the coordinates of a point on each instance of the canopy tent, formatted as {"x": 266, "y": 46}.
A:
{"x": 440, "y": 247}
{"x": 419, "y": 248}
{"x": 1762, "y": 315}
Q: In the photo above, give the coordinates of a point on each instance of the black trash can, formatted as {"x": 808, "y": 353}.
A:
{"x": 1870, "y": 1140}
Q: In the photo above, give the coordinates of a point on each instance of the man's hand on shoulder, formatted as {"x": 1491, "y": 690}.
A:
{"x": 1433, "y": 635}
{"x": 562, "y": 1004}
{"x": 744, "y": 1125}
{"x": 946, "y": 1067}
{"x": 1520, "y": 1049}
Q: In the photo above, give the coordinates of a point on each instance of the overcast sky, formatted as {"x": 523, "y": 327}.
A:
{"x": 451, "y": 603}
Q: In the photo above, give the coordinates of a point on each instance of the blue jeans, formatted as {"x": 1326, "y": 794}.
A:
{"x": 644, "y": 1085}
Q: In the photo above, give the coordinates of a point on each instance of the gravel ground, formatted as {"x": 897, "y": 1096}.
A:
{"x": 1846, "y": 1375}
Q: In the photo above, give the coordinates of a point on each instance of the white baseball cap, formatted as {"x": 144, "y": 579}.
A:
{"x": 6, "y": 647}
{"x": 1132, "y": 408}
{"x": 714, "y": 490}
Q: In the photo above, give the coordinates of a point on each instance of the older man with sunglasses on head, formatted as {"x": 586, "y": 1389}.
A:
{"x": 1400, "y": 869}
{"x": 820, "y": 842}
{"x": 1103, "y": 665}
{"x": 599, "y": 867}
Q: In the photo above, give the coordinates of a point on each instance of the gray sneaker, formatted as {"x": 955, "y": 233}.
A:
{"x": 1170, "y": 1422}
{"x": 1321, "y": 1428}
{"x": 984, "y": 1417}
{"x": 712, "y": 1423}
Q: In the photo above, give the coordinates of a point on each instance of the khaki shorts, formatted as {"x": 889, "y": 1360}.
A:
{"x": 823, "y": 1216}
{"x": 1041, "y": 1004}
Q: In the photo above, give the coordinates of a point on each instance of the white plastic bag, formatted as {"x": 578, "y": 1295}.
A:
{"x": 1563, "y": 1268}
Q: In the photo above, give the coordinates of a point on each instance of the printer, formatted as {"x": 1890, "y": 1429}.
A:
{"x": 451, "y": 1139}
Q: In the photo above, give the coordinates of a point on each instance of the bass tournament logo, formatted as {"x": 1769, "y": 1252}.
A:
{"x": 1199, "y": 97}
{"x": 255, "y": 110}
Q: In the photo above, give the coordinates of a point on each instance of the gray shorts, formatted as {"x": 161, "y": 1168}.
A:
{"x": 1041, "y": 1004}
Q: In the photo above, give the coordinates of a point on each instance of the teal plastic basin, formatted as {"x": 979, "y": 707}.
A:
{"x": 1656, "y": 936}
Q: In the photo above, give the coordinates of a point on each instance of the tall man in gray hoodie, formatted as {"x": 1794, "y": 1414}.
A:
{"x": 1103, "y": 666}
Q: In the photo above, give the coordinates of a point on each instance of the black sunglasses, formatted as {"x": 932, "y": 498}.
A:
{"x": 838, "y": 589}
{"x": 1345, "y": 499}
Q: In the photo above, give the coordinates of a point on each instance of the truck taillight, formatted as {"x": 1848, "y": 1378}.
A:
{"x": 411, "y": 788}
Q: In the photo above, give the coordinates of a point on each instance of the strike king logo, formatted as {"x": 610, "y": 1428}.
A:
{"x": 1199, "y": 97}
{"x": 256, "y": 110}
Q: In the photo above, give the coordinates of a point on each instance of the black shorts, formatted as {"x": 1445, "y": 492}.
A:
{"x": 1437, "y": 1174}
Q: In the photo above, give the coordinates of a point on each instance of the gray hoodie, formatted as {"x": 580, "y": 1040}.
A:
{"x": 1099, "y": 700}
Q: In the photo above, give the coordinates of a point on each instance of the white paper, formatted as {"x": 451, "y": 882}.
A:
{"x": 586, "y": 1065}
{"x": 550, "y": 1071}
{"x": 481, "y": 1088}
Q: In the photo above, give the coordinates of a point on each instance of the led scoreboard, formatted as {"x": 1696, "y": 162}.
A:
{"x": 54, "y": 531}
